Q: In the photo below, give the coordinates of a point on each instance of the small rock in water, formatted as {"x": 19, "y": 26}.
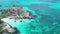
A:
{"x": 20, "y": 21}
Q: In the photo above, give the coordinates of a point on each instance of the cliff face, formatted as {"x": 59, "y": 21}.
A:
{"x": 15, "y": 10}
{"x": 18, "y": 11}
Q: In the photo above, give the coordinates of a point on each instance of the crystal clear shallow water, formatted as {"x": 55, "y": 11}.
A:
{"x": 19, "y": 24}
{"x": 46, "y": 16}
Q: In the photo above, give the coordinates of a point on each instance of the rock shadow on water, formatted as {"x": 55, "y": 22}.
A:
{"x": 32, "y": 16}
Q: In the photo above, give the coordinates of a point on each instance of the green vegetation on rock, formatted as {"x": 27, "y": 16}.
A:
{"x": 4, "y": 14}
{"x": 1, "y": 25}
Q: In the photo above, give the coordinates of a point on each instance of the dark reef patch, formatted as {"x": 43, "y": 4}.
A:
{"x": 46, "y": 20}
{"x": 38, "y": 6}
{"x": 43, "y": 9}
{"x": 49, "y": 0}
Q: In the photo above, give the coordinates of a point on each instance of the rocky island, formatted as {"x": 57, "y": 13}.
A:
{"x": 18, "y": 12}
{"x": 12, "y": 13}
{"x": 5, "y": 28}
{"x": 15, "y": 12}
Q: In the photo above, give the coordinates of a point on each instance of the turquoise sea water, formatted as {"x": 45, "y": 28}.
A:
{"x": 46, "y": 16}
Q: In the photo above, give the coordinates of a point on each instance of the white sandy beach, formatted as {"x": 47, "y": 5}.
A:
{"x": 18, "y": 21}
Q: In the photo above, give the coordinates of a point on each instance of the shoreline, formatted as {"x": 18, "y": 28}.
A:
{"x": 7, "y": 28}
{"x": 16, "y": 24}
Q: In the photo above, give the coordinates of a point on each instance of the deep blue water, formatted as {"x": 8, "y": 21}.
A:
{"x": 46, "y": 15}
